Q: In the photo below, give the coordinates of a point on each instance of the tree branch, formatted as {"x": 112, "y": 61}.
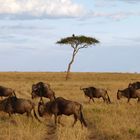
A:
{"x": 72, "y": 46}
{"x": 84, "y": 46}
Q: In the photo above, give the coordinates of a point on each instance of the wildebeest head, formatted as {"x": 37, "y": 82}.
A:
{"x": 84, "y": 89}
{"x": 88, "y": 91}
{"x": 34, "y": 91}
{"x": 42, "y": 90}
{"x": 130, "y": 85}
{"x": 135, "y": 85}
{"x": 37, "y": 89}
{"x": 119, "y": 94}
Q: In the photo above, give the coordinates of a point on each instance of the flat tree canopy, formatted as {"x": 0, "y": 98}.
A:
{"x": 83, "y": 41}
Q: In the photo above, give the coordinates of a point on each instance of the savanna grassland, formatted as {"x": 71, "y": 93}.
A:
{"x": 116, "y": 121}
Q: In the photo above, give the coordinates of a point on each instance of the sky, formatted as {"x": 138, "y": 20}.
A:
{"x": 29, "y": 30}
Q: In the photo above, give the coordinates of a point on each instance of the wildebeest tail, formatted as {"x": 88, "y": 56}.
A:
{"x": 82, "y": 117}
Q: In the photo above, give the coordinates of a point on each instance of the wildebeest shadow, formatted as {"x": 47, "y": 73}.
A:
{"x": 51, "y": 131}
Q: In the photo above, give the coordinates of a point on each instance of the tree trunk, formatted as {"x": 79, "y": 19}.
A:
{"x": 69, "y": 66}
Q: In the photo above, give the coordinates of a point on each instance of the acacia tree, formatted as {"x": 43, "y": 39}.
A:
{"x": 77, "y": 43}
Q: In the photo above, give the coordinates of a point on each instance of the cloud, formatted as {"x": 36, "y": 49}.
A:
{"x": 24, "y": 27}
{"x": 113, "y": 1}
{"x": 135, "y": 40}
{"x": 39, "y": 9}
{"x": 114, "y": 16}
{"x": 130, "y": 1}
{"x": 119, "y": 9}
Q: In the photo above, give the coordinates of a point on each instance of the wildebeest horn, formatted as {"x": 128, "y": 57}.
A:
{"x": 119, "y": 90}
{"x": 13, "y": 94}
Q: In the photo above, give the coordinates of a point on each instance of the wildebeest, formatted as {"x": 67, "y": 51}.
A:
{"x": 129, "y": 93}
{"x": 93, "y": 92}
{"x": 61, "y": 106}
{"x": 12, "y": 105}
{"x": 41, "y": 89}
{"x": 135, "y": 85}
{"x": 5, "y": 92}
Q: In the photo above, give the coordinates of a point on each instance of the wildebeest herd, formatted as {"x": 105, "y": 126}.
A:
{"x": 58, "y": 106}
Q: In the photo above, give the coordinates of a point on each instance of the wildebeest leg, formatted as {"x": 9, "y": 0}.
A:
{"x": 75, "y": 120}
{"x": 138, "y": 100}
{"x": 128, "y": 100}
{"x": 29, "y": 115}
{"x": 81, "y": 122}
{"x": 78, "y": 115}
{"x": 92, "y": 99}
{"x": 80, "y": 118}
{"x": 10, "y": 114}
{"x": 55, "y": 118}
{"x": 104, "y": 99}
{"x": 59, "y": 120}
{"x": 89, "y": 99}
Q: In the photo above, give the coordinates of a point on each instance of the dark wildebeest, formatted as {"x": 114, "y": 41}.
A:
{"x": 42, "y": 90}
{"x": 5, "y": 92}
{"x": 61, "y": 106}
{"x": 129, "y": 93}
{"x": 135, "y": 85}
{"x": 12, "y": 105}
{"x": 93, "y": 92}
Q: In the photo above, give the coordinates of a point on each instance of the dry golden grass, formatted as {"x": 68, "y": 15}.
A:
{"x": 117, "y": 121}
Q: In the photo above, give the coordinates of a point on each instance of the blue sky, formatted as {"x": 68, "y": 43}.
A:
{"x": 29, "y": 30}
